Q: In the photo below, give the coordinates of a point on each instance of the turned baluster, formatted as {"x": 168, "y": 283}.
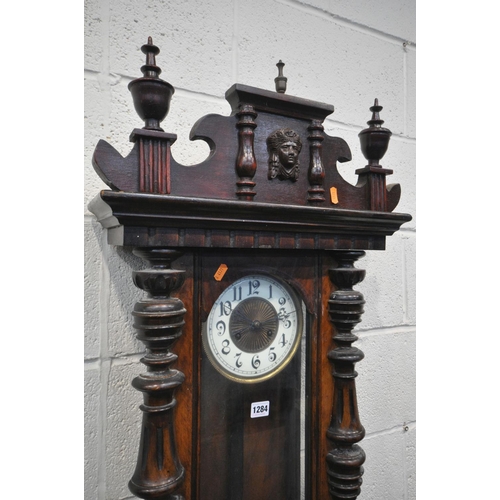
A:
{"x": 246, "y": 164}
{"x": 345, "y": 306}
{"x": 159, "y": 321}
{"x": 316, "y": 172}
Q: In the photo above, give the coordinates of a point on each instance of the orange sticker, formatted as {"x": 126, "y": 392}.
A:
{"x": 333, "y": 195}
{"x": 220, "y": 272}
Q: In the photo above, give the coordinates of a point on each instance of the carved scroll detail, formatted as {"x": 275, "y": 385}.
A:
{"x": 159, "y": 321}
{"x": 316, "y": 170}
{"x": 345, "y": 306}
{"x": 246, "y": 164}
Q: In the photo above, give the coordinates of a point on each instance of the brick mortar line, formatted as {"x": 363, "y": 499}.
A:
{"x": 345, "y": 22}
{"x": 412, "y": 425}
{"x": 385, "y": 330}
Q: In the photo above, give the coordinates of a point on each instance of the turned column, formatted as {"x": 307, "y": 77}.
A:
{"x": 246, "y": 164}
{"x": 345, "y": 306}
{"x": 159, "y": 321}
{"x": 316, "y": 174}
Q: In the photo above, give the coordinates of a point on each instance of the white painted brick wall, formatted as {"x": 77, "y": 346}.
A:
{"x": 343, "y": 52}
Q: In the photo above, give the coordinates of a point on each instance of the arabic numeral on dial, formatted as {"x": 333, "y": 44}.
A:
{"x": 252, "y": 287}
{"x": 281, "y": 300}
{"x": 272, "y": 355}
{"x": 256, "y": 361}
{"x": 221, "y": 328}
{"x": 283, "y": 342}
{"x": 238, "y": 363}
{"x": 283, "y": 316}
{"x": 225, "y": 308}
{"x": 225, "y": 347}
{"x": 236, "y": 293}
{"x": 270, "y": 291}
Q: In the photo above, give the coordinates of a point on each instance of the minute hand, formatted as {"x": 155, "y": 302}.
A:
{"x": 283, "y": 314}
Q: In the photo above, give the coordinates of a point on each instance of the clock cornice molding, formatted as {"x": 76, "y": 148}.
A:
{"x": 133, "y": 217}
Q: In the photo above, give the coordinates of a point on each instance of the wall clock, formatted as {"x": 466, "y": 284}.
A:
{"x": 250, "y": 301}
{"x": 254, "y": 328}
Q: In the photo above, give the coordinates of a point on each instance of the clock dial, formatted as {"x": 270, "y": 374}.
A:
{"x": 253, "y": 329}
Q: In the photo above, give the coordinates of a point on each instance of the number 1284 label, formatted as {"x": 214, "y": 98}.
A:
{"x": 260, "y": 409}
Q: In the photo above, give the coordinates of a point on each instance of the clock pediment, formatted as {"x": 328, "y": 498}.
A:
{"x": 271, "y": 151}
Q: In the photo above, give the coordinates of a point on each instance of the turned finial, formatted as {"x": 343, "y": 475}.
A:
{"x": 151, "y": 94}
{"x": 150, "y": 69}
{"x": 280, "y": 80}
{"x": 374, "y": 139}
{"x": 375, "y": 109}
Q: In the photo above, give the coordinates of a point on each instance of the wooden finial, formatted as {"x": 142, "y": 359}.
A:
{"x": 374, "y": 142}
{"x": 375, "y": 138}
{"x": 151, "y": 94}
{"x": 280, "y": 80}
{"x": 150, "y": 69}
{"x": 375, "y": 109}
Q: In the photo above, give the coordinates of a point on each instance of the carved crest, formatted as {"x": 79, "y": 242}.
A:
{"x": 284, "y": 146}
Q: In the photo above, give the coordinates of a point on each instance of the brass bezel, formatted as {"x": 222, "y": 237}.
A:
{"x": 298, "y": 303}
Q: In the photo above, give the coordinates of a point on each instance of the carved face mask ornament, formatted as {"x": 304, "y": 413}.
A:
{"x": 284, "y": 146}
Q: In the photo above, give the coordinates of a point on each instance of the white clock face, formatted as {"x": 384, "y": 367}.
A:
{"x": 253, "y": 329}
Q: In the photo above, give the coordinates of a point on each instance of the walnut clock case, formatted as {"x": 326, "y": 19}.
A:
{"x": 249, "y": 306}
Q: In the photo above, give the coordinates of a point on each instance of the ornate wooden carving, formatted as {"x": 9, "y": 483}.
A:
{"x": 159, "y": 320}
{"x": 159, "y": 205}
{"x": 150, "y": 167}
{"x": 345, "y": 306}
{"x": 284, "y": 146}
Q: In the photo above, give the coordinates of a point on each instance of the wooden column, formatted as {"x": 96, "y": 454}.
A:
{"x": 154, "y": 160}
{"x": 345, "y": 306}
{"x": 316, "y": 173}
{"x": 246, "y": 164}
{"x": 159, "y": 321}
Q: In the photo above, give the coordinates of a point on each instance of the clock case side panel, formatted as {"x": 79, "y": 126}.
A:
{"x": 186, "y": 410}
